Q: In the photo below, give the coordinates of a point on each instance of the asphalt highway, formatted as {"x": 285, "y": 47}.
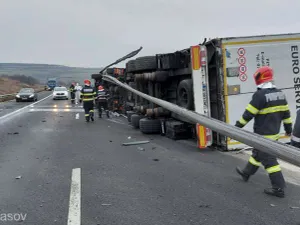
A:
{"x": 57, "y": 169}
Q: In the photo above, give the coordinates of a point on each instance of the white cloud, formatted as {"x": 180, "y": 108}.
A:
{"x": 96, "y": 32}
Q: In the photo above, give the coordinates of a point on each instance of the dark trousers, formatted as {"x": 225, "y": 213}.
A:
{"x": 72, "y": 96}
{"x": 270, "y": 164}
{"x": 103, "y": 104}
{"x": 88, "y": 109}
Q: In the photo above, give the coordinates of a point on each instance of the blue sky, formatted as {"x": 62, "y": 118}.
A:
{"x": 93, "y": 33}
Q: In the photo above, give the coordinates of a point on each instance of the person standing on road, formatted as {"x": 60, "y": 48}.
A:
{"x": 88, "y": 95}
{"x": 72, "y": 92}
{"x": 102, "y": 101}
{"x": 269, "y": 108}
{"x": 77, "y": 93}
{"x": 295, "y": 139}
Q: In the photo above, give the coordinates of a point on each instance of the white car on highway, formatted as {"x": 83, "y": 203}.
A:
{"x": 60, "y": 93}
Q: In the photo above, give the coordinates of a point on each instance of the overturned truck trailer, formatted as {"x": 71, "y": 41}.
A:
{"x": 213, "y": 78}
{"x": 117, "y": 100}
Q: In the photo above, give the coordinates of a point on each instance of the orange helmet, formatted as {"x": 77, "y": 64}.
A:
{"x": 100, "y": 87}
{"x": 263, "y": 74}
{"x": 87, "y": 82}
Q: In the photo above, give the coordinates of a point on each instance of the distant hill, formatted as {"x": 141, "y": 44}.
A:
{"x": 44, "y": 71}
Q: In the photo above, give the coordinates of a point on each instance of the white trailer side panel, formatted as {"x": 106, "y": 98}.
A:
{"x": 242, "y": 56}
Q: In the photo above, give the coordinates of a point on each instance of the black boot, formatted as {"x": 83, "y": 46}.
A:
{"x": 278, "y": 192}
{"x": 92, "y": 116}
{"x": 243, "y": 174}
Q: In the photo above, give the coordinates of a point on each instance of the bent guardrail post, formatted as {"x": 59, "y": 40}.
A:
{"x": 285, "y": 152}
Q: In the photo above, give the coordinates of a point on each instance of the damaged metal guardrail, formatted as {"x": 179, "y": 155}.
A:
{"x": 5, "y": 96}
{"x": 283, "y": 151}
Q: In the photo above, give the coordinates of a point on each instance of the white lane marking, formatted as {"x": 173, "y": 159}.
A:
{"x": 77, "y": 116}
{"x": 25, "y": 107}
{"x": 74, "y": 215}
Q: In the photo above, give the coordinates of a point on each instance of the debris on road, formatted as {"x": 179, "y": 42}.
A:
{"x": 18, "y": 177}
{"x": 141, "y": 149}
{"x": 204, "y": 206}
{"x": 13, "y": 133}
{"x": 129, "y": 137}
{"x": 135, "y": 143}
{"x": 272, "y": 205}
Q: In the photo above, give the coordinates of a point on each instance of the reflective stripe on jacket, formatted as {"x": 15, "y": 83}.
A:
{"x": 88, "y": 93}
{"x": 269, "y": 108}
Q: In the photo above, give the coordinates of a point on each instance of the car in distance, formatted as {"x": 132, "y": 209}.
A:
{"x": 26, "y": 94}
{"x": 60, "y": 93}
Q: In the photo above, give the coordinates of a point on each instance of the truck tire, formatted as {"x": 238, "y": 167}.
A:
{"x": 185, "y": 96}
{"x": 150, "y": 126}
{"x": 129, "y": 114}
{"x": 145, "y": 63}
{"x": 130, "y": 66}
{"x": 135, "y": 120}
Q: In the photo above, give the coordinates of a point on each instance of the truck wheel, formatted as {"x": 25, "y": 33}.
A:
{"x": 146, "y": 63}
{"x": 150, "y": 126}
{"x": 130, "y": 66}
{"x": 185, "y": 96}
{"x": 129, "y": 114}
{"x": 135, "y": 120}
